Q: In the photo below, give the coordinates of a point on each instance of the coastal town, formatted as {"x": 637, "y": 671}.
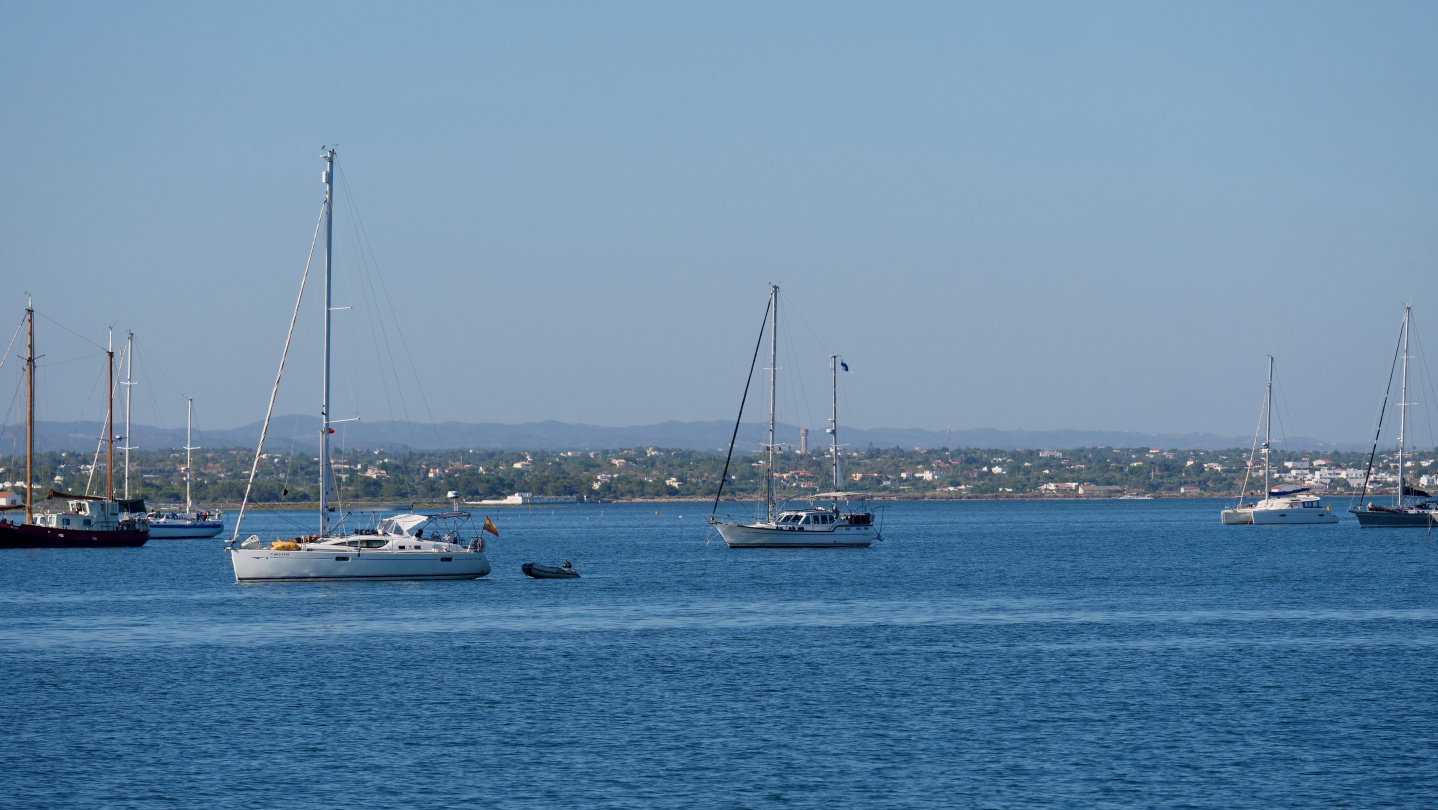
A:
{"x": 649, "y": 473}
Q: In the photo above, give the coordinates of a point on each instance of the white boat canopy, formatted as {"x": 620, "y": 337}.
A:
{"x": 402, "y": 524}
{"x": 406, "y": 524}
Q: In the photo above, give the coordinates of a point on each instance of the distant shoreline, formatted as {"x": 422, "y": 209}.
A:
{"x": 294, "y": 507}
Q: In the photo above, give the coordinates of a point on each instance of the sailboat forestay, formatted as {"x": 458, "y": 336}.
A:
{"x": 835, "y": 519}
{"x": 397, "y": 548}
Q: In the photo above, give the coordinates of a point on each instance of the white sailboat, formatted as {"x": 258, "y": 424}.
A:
{"x": 834, "y": 519}
{"x": 396, "y": 549}
{"x": 189, "y": 523}
{"x": 1285, "y": 505}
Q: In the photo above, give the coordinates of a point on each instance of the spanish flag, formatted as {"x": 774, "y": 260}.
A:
{"x": 489, "y": 527}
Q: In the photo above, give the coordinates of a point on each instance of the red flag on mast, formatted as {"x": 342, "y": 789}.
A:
{"x": 489, "y": 527}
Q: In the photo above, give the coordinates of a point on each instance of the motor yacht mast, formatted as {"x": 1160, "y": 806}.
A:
{"x": 30, "y": 415}
{"x": 833, "y": 430}
{"x": 329, "y": 179}
{"x": 773, "y": 381}
{"x": 1403, "y": 404}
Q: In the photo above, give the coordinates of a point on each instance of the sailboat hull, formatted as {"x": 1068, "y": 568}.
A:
{"x": 762, "y": 536}
{"x": 1395, "y": 520}
{"x": 199, "y": 528}
{"x": 1282, "y": 516}
{"x": 31, "y": 536}
{"x": 1236, "y": 517}
{"x": 1293, "y": 517}
{"x": 269, "y": 565}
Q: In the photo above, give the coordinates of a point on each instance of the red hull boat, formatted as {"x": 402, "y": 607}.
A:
{"x": 31, "y": 536}
{"x": 91, "y": 521}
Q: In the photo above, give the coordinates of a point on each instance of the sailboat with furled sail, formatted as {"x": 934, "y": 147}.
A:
{"x": 834, "y": 519}
{"x": 1285, "y": 505}
{"x": 397, "y": 548}
{"x": 190, "y": 523}
{"x": 88, "y": 521}
{"x": 1412, "y": 508}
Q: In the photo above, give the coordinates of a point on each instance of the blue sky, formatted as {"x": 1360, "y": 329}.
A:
{"x": 1018, "y": 215}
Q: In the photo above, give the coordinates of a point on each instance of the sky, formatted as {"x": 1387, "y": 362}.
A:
{"x": 1031, "y": 216}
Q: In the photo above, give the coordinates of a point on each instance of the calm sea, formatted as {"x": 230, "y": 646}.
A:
{"x": 1101, "y": 654}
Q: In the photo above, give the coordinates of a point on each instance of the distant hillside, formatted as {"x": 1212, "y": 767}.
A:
{"x": 303, "y": 431}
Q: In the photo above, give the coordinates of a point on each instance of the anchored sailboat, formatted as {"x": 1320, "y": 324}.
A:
{"x": 1411, "y": 507}
{"x": 1288, "y": 504}
{"x": 89, "y": 521}
{"x": 834, "y": 519}
{"x": 397, "y": 547}
{"x": 189, "y": 523}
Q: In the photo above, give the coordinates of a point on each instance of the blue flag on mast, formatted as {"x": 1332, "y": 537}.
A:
{"x": 843, "y": 365}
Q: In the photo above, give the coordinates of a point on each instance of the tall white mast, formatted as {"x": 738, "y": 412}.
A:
{"x": 110, "y": 419}
{"x": 1268, "y": 429}
{"x": 129, "y": 383}
{"x": 30, "y": 413}
{"x": 329, "y": 178}
{"x": 833, "y": 430}
{"x": 1403, "y": 404}
{"x": 189, "y": 445}
{"x": 773, "y": 379}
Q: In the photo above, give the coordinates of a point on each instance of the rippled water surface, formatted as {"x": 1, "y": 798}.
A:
{"x": 1125, "y": 654}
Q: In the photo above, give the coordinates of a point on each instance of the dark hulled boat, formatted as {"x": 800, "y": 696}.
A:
{"x": 87, "y": 522}
{"x": 1403, "y": 513}
{"x": 29, "y": 535}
